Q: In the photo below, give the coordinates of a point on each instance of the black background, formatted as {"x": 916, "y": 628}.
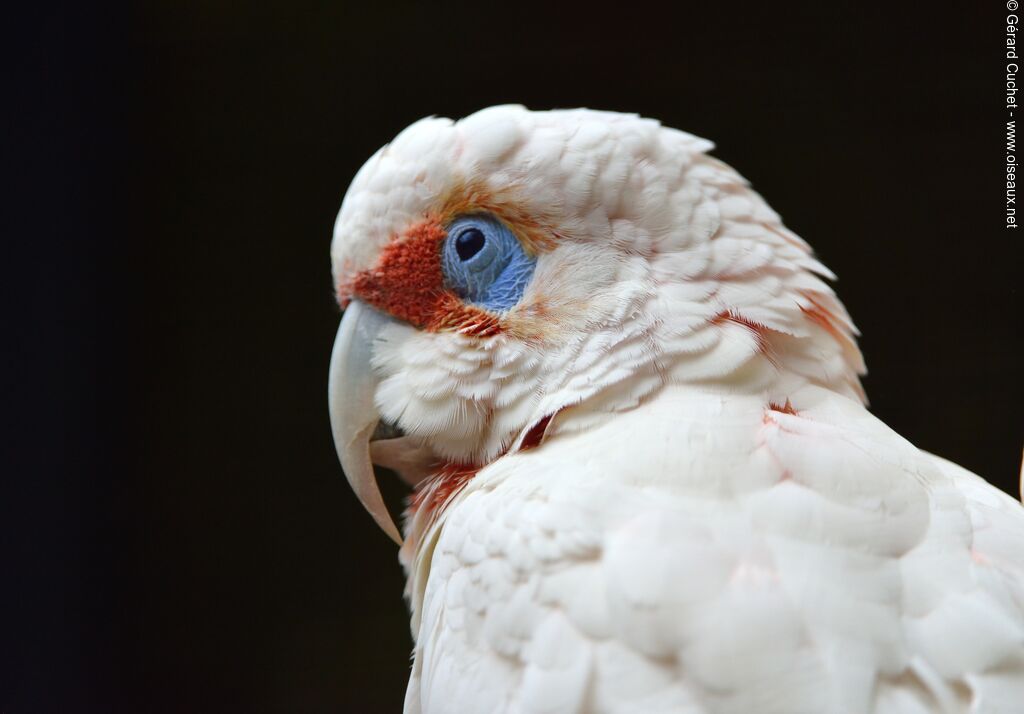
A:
{"x": 183, "y": 538}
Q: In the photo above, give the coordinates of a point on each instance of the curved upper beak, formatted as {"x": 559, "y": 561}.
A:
{"x": 351, "y": 385}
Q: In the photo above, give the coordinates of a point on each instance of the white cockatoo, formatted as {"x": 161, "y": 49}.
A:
{"x": 645, "y": 478}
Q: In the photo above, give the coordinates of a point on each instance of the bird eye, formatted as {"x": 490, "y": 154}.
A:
{"x": 469, "y": 242}
{"x": 483, "y": 262}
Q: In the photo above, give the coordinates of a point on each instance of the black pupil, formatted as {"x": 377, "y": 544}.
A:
{"x": 469, "y": 242}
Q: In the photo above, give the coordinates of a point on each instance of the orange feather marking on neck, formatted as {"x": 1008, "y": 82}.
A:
{"x": 434, "y": 492}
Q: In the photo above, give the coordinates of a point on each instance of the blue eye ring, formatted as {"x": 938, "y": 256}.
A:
{"x": 484, "y": 263}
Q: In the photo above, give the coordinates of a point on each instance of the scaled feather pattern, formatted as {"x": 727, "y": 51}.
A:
{"x": 651, "y": 484}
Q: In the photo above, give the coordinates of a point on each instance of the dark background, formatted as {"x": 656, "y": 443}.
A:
{"x": 183, "y": 539}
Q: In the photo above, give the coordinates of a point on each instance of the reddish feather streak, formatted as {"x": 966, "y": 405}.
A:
{"x": 786, "y": 408}
{"x": 823, "y": 317}
{"x": 536, "y": 434}
{"x": 759, "y": 331}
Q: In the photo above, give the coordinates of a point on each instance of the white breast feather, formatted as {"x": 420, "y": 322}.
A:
{"x": 766, "y": 562}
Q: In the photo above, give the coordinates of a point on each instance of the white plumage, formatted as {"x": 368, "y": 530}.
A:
{"x": 669, "y": 495}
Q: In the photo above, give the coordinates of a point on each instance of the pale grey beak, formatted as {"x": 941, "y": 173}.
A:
{"x": 350, "y": 390}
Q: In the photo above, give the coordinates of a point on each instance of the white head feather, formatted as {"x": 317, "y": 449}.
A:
{"x": 658, "y": 265}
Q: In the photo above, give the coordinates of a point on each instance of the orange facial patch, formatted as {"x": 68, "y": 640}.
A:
{"x": 408, "y": 282}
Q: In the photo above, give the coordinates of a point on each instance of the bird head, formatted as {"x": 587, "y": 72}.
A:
{"x": 515, "y": 275}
